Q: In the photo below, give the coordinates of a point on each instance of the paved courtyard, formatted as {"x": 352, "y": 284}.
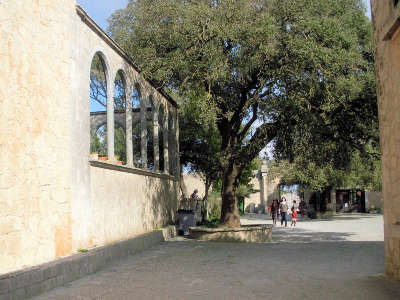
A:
{"x": 338, "y": 259}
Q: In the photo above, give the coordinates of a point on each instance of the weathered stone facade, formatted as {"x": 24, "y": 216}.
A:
{"x": 385, "y": 19}
{"x": 53, "y": 198}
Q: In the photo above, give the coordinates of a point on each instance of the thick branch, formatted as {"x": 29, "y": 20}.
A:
{"x": 262, "y": 136}
{"x": 242, "y": 134}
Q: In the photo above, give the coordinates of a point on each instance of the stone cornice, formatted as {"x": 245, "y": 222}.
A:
{"x": 129, "y": 169}
{"x": 105, "y": 37}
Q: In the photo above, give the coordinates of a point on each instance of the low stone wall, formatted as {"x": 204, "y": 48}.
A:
{"x": 127, "y": 201}
{"x": 244, "y": 234}
{"x": 36, "y": 280}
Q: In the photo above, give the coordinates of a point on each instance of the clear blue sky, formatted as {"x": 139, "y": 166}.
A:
{"x": 100, "y": 10}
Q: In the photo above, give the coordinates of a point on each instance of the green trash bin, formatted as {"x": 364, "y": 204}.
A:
{"x": 241, "y": 205}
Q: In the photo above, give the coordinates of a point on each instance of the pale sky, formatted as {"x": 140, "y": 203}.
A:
{"x": 100, "y": 10}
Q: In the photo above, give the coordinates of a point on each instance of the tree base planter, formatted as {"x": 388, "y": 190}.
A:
{"x": 320, "y": 216}
{"x": 244, "y": 234}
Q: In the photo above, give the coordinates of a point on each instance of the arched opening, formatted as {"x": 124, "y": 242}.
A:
{"x": 161, "y": 116}
{"x": 120, "y": 143}
{"x": 120, "y": 116}
{"x": 136, "y": 97}
{"x": 136, "y": 129}
{"x": 150, "y": 143}
{"x": 150, "y": 134}
{"x": 161, "y": 145}
{"x": 136, "y": 133}
{"x": 98, "y": 141}
{"x": 98, "y": 85}
{"x": 98, "y": 103}
{"x": 119, "y": 92}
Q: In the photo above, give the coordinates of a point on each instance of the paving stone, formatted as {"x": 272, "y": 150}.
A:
{"x": 338, "y": 259}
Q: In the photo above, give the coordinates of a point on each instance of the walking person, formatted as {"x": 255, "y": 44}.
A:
{"x": 195, "y": 194}
{"x": 279, "y": 203}
{"x": 303, "y": 208}
{"x": 295, "y": 208}
{"x": 274, "y": 211}
{"x": 283, "y": 208}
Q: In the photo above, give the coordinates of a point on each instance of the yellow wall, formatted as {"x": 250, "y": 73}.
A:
{"x": 52, "y": 201}
{"x": 35, "y": 221}
{"x": 387, "y": 60}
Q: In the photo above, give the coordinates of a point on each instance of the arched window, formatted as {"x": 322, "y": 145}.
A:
{"x": 120, "y": 143}
{"x": 120, "y": 116}
{"x": 98, "y": 105}
{"x": 98, "y": 85}
{"x": 119, "y": 92}
{"x": 136, "y": 98}
{"x": 136, "y": 133}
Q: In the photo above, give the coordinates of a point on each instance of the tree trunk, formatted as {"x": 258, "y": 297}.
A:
{"x": 325, "y": 197}
{"x": 204, "y": 213}
{"x": 183, "y": 187}
{"x": 230, "y": 217}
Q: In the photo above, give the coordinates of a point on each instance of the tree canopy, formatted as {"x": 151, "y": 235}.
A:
{"x": 299, "y": 72}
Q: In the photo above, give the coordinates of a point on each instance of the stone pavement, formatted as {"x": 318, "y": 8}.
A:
{"x": 338, "y": 259}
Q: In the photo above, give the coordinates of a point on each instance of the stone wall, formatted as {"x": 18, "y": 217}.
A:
{"x": 90, "y": 40}
{"x": 35, "y": 193}
{"x": 373, "y": 200}
{"x": 52, "y": 201}
{"x": 193, "y": 182}
{"x": 385, "y": 19}
{"x": 127, "y": 201}
{"x": 271, "y": 192}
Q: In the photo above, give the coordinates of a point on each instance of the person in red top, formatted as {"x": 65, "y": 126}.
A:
{"x": 294, "y": 213}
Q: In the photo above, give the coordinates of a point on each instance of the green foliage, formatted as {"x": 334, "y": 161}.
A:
{"x": 95, "y": 144}
{"x": 199, "y": 141}
{"x": 363, "y": 171}
{"x": 120, "y": 143}
{"x": 214, "y": 204}
{"x": 212, "y": 223}
{"x": 331, "y": 104}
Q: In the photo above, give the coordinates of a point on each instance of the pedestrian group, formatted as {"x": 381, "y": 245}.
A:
{"x": 281, "y": 208}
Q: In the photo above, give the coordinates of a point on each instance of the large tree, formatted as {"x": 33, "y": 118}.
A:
{"x": 290, "y": 70}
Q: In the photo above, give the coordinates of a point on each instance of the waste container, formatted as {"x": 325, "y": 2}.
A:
{"x": 241, "y": 205}
{"x": 186, "y": 220}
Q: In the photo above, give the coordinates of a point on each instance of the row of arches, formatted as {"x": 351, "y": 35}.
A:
{"x": 130, "y": 119}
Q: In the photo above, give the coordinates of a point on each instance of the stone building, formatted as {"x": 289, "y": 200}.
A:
{"x": 54, "y": 199}
{"x": 386, "y": 23}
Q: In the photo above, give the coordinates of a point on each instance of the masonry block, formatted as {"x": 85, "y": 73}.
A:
{"x": 25, "y": 280}
{"x": 48, "y": 284}
{"x": 19, "y": 294}
{"x": 33, "y": 290}
{"x": 51, "y": 271}
{"x": 5, "y": 297}
{"x": 5, "y": 286}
